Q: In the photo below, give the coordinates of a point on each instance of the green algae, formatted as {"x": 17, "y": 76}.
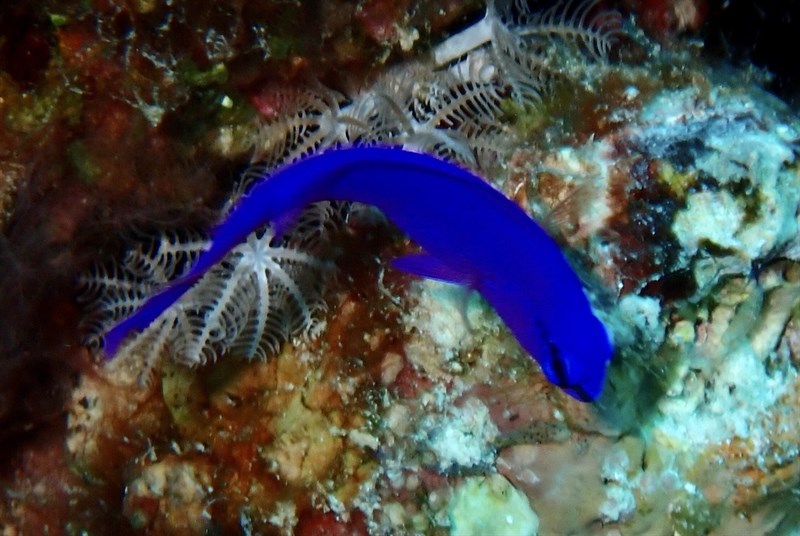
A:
{"x": 83, "y": 162}
{"x": 692, "y": 514}
{"x": 678, "y": 182}
{"x": 33, "y": 112}
{"x": 182, "y": 395}
{"x": 528, "y": 120}
{"x": 193, "y": 76}
{"x": 58, "y": 19}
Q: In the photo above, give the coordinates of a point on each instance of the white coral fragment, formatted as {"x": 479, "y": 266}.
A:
{"x": 713, "y": 217}
{"x": 463, "y": 437}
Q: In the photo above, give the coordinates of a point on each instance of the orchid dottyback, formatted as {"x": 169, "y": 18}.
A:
{"x": 471, "y": 235}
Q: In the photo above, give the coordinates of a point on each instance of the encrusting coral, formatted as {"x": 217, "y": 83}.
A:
{"x": 673, "y": 189}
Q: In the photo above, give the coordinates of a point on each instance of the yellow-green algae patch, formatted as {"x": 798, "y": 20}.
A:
{"x": 491, "y": 505}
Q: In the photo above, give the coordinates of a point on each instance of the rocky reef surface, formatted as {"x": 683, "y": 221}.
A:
{"x": 673, "y": 186}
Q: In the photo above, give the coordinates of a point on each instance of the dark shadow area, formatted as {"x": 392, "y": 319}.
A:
{"x": 761, "y": 32}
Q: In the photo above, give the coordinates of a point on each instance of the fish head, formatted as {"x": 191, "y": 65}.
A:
{"x": 576, "y": 357}
{"x": 564, "y": 336}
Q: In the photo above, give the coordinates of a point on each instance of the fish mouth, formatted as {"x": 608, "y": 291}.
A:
{"x": 561, "y": 377}
{"x": 578, "y": 392}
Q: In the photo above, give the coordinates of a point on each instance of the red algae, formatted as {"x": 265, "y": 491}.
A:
{"x": 47, "y": 491}
{"x": 318, "y": 524}
{"x": 86, "y": 153}
{"x": 25, "y": 50}
{"x": 278, "y": 439}
{"x": 667, "y": 20}
{"x": 370, "y": 427}
{"x": 378, "y": 18}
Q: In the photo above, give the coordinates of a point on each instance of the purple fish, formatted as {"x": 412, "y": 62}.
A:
{"x": 471, "y": 235}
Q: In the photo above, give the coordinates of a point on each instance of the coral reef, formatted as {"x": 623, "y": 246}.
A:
{"x": 672, "y": 185}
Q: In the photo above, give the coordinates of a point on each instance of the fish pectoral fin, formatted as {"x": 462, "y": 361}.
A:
{"x": 426, "y": 265}
{"x": 284, "y": 223}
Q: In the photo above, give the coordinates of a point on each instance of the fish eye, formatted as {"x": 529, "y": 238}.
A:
{"x": 560, "y": 369}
